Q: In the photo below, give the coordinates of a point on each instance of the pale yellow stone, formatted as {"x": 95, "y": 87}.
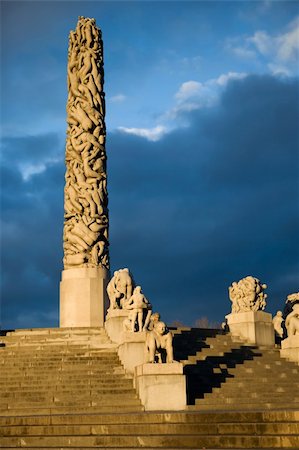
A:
{"x": 85, "y": 195}
{"x": 277, "y": 321}
{"x": 247, "y": 295}
{"x": 290, "y": 348}
{"x": 254, "y": 327}
{"x": 159, "y": 339}
{"x": 292, "y": 321}
{"x": 120, "y": 288}
{"x": 114, "y": 323}
{"x": 83, "y": 297}
{"x": 131, "y": 350}
{"x": 161, "y": 386}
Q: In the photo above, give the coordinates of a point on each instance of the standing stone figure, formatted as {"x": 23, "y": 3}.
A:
{"x": 86, "y": 213}
{"x": 277, "y": 323}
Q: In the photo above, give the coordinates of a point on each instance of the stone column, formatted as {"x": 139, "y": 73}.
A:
{"x": 86, "y": 257}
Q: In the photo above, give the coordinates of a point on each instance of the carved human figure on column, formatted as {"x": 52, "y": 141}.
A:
{"x": 86, "y": 213}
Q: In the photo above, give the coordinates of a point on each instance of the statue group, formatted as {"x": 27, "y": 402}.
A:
{"x": 124, "y": 294}
{"x": 248, "y": 295}
{"x": 286, "y": 322}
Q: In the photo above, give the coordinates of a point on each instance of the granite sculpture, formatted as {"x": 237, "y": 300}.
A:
{"x": 277, "y": 323}
{"x": 120, "y": 288}
{"x": 292, "y": 321}
{"x": 139, "y": 310}
{"x": 291, "y": 301}
{"x": 86, "y": 200}
{"x": 157, "y": 340}
{"x": 247, "y": 295}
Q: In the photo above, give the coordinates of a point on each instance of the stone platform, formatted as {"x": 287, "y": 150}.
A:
{"x": 66, "y": 388}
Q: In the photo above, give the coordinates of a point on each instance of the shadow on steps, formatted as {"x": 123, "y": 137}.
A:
{"x": 204, "y": 375}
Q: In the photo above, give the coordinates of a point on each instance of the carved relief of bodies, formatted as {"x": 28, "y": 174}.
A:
{"x": 86, "y": 214}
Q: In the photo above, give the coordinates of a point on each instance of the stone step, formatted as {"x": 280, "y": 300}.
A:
{"x": 268, "y": 389}
{"x": 81, "y": 363}
{"x": 251, "y": 406}
{"x": 187, "y": 417}
{"x": 88, "y": 369}
{"x": 11, "y": 360}
{"x": 250, "y": 398}
{"x": 78, "y": 409}
{"x": 62, "y": 366}
{"x": 153, "y": 429}
{"x": 51, "y": 331}
{"x": 66, "y": 394}
{"x": 97, "y": 385}
{"x": 46, "y": 346}
{"x": 74, "y": 400}
{"x": 152, "y": 441}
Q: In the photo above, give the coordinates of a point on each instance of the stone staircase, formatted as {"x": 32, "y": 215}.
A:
{"x": 66, "y": 389}
{"x": 224, "y": 373}
{"x": 54, "y": 371}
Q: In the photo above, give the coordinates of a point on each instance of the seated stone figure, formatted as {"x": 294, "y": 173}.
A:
{"x": 292, "y": 321}
{"x": 157, "y": 340}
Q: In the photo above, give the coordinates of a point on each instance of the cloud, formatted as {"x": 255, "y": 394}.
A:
{"x": 193, "y": 95}
{"x": 284, "y": 46}
{"x": 151, "y": 134}
{"x": 243, "y": 52}
{"x": 188, "y": 90}
{"x": 119, "y": 98}
{"x": 280, "y": 50}
{"x": 189, "y": 213}
{"x": 31, "y": 154}
{"x": 215, "y": 201}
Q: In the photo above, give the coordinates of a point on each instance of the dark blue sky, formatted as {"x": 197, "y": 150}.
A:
{"x": 202, "y": 119}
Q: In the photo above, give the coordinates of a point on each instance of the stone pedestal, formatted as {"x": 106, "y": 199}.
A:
{"x": 83, "y": 297}
{"x": 114, "y": 324}
{"x": 131, "y": 350}
{"x": 290, "y": 348}
{"x": 161, "y": 386}
{"x": 253, "y": 327}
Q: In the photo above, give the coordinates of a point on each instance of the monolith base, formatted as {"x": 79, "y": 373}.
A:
{"x": 253, "y": 326}
{"x": 83, "y": 297}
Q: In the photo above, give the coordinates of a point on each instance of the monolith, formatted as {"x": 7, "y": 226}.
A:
{"x": 85, "y": 236}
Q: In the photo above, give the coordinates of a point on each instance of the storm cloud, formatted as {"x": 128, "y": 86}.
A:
{"x": 203, "y": 206}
